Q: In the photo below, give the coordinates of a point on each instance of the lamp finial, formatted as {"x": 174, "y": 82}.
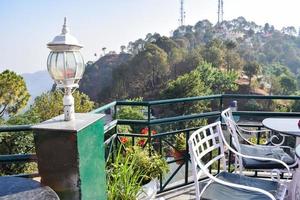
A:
{"x": 65, "y": 29}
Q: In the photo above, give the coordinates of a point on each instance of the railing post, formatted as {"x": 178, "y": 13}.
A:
{"x": 149, "y": 128}
{"x": 221, "y": 105}
{"x": 71, "y": 156}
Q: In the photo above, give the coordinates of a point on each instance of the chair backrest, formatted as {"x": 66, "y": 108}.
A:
{"x": 206, "y": 147}
{"x": 231, "y": 127}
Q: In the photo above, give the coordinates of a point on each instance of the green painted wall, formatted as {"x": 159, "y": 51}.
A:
{"x": 90, "y": 143}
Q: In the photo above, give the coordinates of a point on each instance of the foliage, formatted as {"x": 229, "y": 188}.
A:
{"x": 251, "y": 69}
{"x": 154, "y": 166}
{"x": 123, "y": 181}
{"x": 262, "y": 140}
{"x": 13, "y": 93}
{"x": 18, "y": 143}
{"x": 131, "y": 112}
{"x": 187, "y": 85}
{"x": 180, "y": 142}
{"x": 214, "y": 53}
{"x": 186, "y": 64}
{"x": 132, "y": 169}
{"x": 216, "y": 80}
{"x": 50, "y": 104}
{"x": 253, "y": 105}
{"x": 231, "y": 46}
{"x": 288, "y": 85}
{"x": 296, "y": 104}
{"x": 143, "y": 75}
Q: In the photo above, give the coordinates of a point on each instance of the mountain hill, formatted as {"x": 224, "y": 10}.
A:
{"x": 153, "y": 62}
{"x": 98, "y": 75}
{"x": 37, "y": 83}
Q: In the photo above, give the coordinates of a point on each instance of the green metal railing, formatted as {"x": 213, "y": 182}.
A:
{"x": 151, "y": 121}
{"x": 18, "y": 158}
{"x": 163, "y": 139}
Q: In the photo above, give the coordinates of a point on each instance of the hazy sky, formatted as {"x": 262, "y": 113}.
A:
{"x": 26, "y": 26}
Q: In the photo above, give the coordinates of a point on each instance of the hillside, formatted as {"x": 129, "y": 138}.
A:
{"x": 270, "y": 59}
{"x": 98, "y": 75}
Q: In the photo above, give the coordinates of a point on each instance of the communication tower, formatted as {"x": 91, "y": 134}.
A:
{"x": 220, "y": 11}
{"x": 182, "y": 13}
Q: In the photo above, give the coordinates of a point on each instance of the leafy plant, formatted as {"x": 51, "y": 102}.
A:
{"x": 124, "y": 182}
{"x": 154, "y": 166}
{"x": 180, "y": 142}
{"x": 132, "y": 169}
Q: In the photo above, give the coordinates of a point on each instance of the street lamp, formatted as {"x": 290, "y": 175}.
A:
{"x": 66, "y": 66}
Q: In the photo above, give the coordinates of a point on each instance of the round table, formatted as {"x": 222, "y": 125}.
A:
{"x": 288, "y": 126}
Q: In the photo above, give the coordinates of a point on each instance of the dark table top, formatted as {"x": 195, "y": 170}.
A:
{"x": 15, "y": 188}
{"x": 287, "y": 126}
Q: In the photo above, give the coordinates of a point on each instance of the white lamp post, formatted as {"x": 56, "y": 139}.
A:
{"x": 66, "y": 66}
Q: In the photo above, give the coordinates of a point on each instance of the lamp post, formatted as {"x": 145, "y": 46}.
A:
{"x": 66, "y": 67}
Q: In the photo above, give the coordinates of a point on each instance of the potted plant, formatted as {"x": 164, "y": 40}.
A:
{"x": 153, "y": 167}
{"x": 134, "y": 174}
{"x": 180, "y": 148}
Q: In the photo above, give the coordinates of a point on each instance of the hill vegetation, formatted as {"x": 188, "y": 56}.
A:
{"x": 248, "y": 57}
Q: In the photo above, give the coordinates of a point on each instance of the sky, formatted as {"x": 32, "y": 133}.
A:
{"x": 26, "y": 26}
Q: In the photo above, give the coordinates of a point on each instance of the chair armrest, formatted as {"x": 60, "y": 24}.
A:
{"x": 254, "y": 157}
{"x": 255, "y": 131}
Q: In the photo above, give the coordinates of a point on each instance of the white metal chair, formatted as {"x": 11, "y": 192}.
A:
{"x": 249, "y": 148}
{"x": 209, "y": 140}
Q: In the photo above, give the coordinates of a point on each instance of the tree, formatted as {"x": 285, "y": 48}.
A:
{"x": 144, "y": 74}
{"x": 18, "y": 143}
{"x": 166, "y": 44}
{"x": 275, "y": 87}
{"x": 290, "y": 30}
{"x": 50, "y": 104}
{"x": 251, "y": 69}
{"x": 131, "y": 112}
{"x": 123, "y": 47}
{"x": 214, "y": 53}
{"x": 216, "y": 80}
{"x": 13, "y": 93}
{"x": 189, "y": 63}
{"x": 187, "y": 85}
{"x": 296, "y": 105}
{"x": 233, "y": 61}
{"x": 288, "y": 85}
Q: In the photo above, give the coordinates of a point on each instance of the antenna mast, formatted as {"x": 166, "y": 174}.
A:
{"x": 182, "y": 13}
{"x": 220, "y": 11}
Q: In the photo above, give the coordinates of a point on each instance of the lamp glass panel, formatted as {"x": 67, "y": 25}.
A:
{"x": 71, "y": 66}
{"x": 80, "y": 64}
{"x": 59, "y": 73}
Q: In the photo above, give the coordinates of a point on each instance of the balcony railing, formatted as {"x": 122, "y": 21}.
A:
{"x": 167, "y": 127}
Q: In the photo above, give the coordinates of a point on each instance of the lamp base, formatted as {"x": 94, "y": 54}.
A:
{"x": 69, "y": 109}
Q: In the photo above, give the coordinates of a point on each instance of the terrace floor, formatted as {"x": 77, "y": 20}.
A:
{"x": 188, "y": 192}
{"x": 183, "y": 193}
